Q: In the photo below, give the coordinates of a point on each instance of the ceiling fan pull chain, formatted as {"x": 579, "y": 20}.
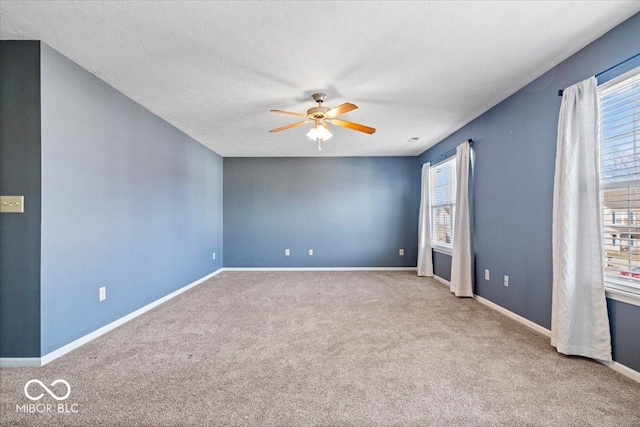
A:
{"x": 319, "y": 144}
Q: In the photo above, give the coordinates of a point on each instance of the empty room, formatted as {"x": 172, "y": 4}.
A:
{"x": 272, "y": 213}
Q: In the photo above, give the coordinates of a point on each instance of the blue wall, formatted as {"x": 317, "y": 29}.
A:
{"x": 20, "y": 175}
{"x": 128, "y": 202}
{"x": 353, "y": 211}
{"x": 514, "y": 168}
{"x": 442, "y": 265}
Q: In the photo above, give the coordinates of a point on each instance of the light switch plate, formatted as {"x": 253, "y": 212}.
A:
{"x": 12, "y": 204}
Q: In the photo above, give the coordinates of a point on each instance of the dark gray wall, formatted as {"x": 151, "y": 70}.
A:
{"x": 353, "y": 212}
{"x": 514, "y": 169}
{"x": 20, "y": 175}
{"x": 128, "y": 202}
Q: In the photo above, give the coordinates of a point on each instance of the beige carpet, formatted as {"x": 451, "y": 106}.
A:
{"x": 324, "y": 348}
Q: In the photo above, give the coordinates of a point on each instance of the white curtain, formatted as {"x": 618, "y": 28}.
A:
{"x": 425, "y": 260}
{"x": 579, "y": 321}
{"x": 462, "y": 259}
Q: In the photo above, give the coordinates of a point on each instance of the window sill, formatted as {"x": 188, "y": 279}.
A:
{"x": 442, "y": 250}
{"x": 623, "y": 296}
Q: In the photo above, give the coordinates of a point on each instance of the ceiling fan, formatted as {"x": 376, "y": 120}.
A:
{"x": 321, "y": 116}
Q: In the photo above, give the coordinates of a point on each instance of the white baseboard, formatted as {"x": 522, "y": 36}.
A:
{"x": 511, "y": 314}
{"x": 19, "y": 362}
{"x": 441, "y": 280}
{"x": 320, "y": 268}
{"x": 624, "y": 370}
{"x": 6, "y": 362}
{"x": 618, "y": 367}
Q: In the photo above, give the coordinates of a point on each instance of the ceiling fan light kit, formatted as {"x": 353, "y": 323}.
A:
{"x": 320, "y": 132}
{"x": 321, "y": 116}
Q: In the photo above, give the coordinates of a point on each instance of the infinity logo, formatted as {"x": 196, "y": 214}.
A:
{"x": 52, "y": 394}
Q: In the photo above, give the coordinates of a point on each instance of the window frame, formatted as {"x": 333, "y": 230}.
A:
{"x": 437, "y": 246}
{"x": 615, "y": 288}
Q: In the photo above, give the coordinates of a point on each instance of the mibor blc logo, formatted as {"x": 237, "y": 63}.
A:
{"x": 31, "y": 391}
{"x": 45, "y": 388}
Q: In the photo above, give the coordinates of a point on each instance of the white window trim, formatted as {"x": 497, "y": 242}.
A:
{"x": 605, "y": 86}
{"x": 614, "y": 290}
{"x": 442, "y": 249}
{"x": 447, "y": 250}
{"x": 620, "y": 291}
{"x": 622, "y": 296}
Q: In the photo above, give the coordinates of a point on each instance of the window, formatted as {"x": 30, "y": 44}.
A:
{"x": 443, "y": 204}
{"x": 620, "y": 186}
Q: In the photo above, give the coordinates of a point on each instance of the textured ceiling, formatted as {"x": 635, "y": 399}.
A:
{"x": 415, "y": 69}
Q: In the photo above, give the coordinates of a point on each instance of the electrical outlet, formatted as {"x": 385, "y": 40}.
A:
{"x": 103, "y": 293}
{"x": 486, "y": 274}
{"x": 506, "y": 281}
{"x": 401, "y": 252}
{"x": 310, "y": 252}
{"x": 214, "y": 255}
{"x": 287, "y": 252}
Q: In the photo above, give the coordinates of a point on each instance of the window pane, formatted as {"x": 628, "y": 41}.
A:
{"x": 443, "y": 193}
{"x": 443, "y": 225}
{"x": 621, "y": 218}
{"x": 620, "y": 167}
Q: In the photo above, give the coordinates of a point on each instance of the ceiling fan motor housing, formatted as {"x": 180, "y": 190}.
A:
{"x": 319, "y": 97}
{"x": 317, "y": 112}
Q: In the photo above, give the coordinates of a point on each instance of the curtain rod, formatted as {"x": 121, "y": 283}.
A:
{"x": 448, "y": 153}
{"x": 609, "y": 69}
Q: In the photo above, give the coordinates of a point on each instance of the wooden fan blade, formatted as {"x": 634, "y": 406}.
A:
{"x": 291, "y": 113}
{"x": 341, "y": 109}
{"x": 292, "y": 125}
{"x": 354, "y": 126}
